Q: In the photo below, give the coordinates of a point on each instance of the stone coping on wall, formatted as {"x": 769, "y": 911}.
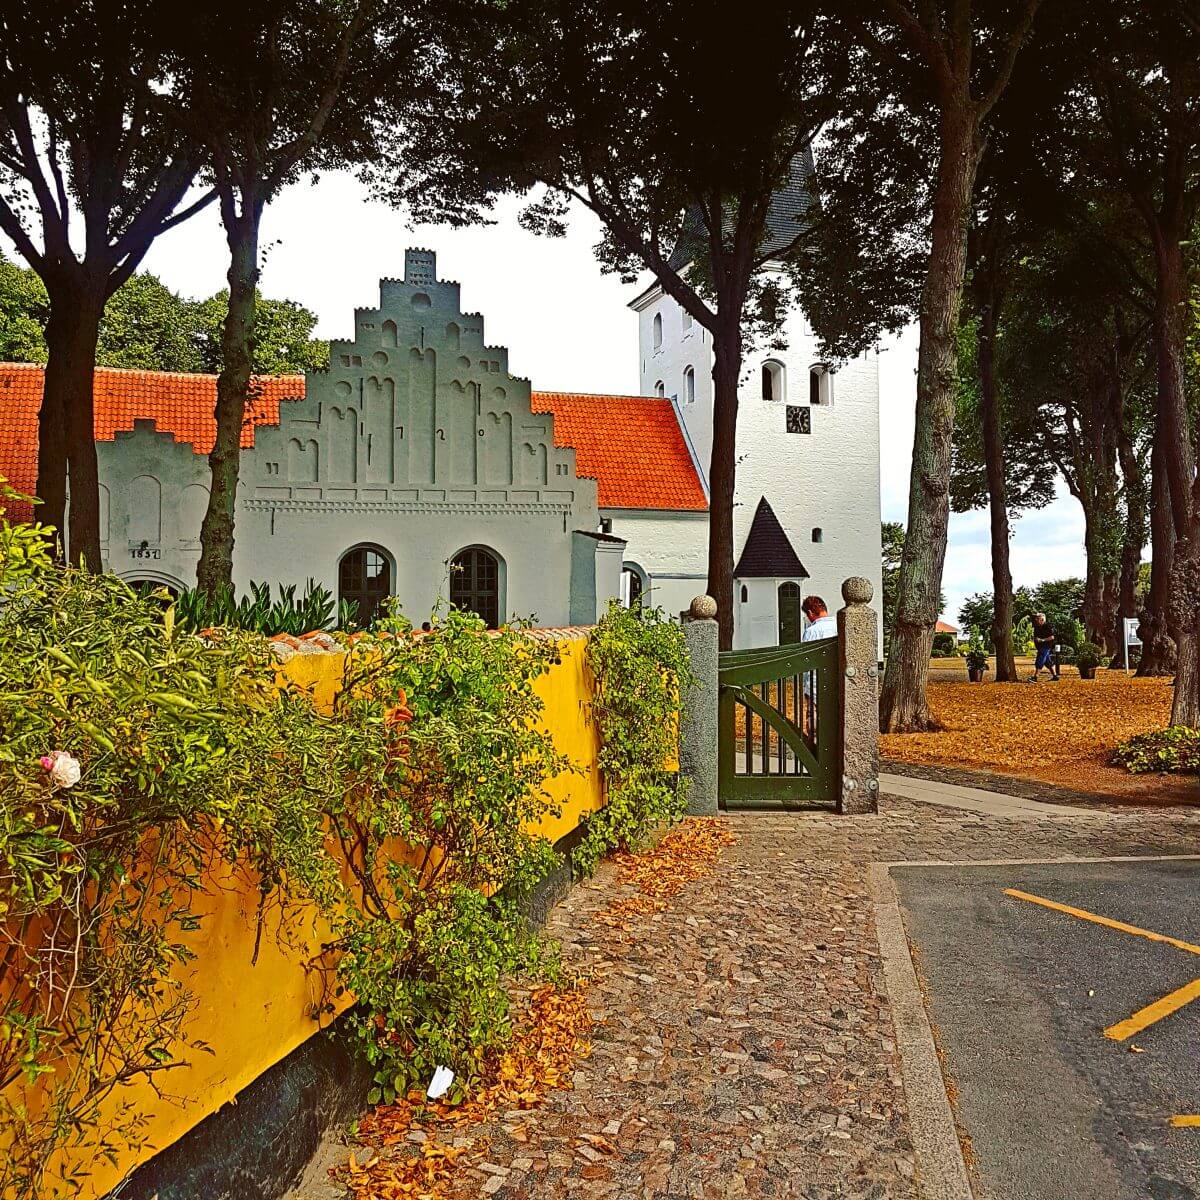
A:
{"x": 287, "y": 646}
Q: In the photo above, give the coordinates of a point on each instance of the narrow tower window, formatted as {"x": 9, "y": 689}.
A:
{"x": 820, "y": 384}
{"x": 772, "y": 380}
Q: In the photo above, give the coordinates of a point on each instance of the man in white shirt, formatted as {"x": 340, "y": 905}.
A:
{"x": 820, "y": 623}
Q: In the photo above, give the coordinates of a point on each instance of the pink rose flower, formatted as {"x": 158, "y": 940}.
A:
{"x": 63, "y": 768}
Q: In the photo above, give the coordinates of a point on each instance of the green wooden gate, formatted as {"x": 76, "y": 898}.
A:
{"x": 780, "y": 726}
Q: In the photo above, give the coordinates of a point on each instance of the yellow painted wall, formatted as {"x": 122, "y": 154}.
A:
{"x": 255, "y": 1015}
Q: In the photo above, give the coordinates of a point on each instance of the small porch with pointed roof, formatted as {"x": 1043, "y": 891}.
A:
{"x": 768, "y": 552}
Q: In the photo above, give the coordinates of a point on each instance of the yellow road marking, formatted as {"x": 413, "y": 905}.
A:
{"x": 1084, "y": 915}
{"x": 1145, "y": 1017}
{"x": 1187, "y": 1121}
{"x": 1152, "y": 1013}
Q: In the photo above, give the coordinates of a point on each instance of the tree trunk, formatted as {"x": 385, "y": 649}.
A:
{"x": 1185, "y": 619}
{"x": 1158, "y": 646}
{"x": 52, "y": 435}
{"x": 727, "y": 368}
{"x": 66, "y": 423}
{"x": 1173, "y": 432}
{"x": 214, "y": 573}
{"x": 1095, "y": 610}
{"x": 903, "y": 705}
{"x": 993, "y": 459}
{"x": 1133, "y": 539}
{"x": 1172, "y": 427}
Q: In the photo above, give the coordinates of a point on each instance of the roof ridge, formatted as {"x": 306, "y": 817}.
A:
{"x": 600, "y": 395}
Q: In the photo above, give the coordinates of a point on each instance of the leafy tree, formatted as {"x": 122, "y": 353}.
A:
{"x": 146, "y": 326}
{"x": 85, "y": 161}
{"x": 975, "y": 614}
{"x": 283, "y": 341}
{"x": 1077, "y": 352}
{"x": 892, "y": 538}
{"x": 273, "y": 89}
{"x": 1000, "y": 453}
{"x": 1060, "y": 599}
{"x": 940, "y": 72}
{"x": 1136, "y": 138}
{"x": 1019, "y": 477}
{"x": 675, "y": 126}
{"x": 24, "y": 311}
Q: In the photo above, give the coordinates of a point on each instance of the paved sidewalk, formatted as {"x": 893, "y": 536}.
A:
{"x": 978, "y": 800}
{"x": 747, "y": 1047}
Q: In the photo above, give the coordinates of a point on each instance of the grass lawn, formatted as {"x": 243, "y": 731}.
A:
{"x": 1059, "y": 733}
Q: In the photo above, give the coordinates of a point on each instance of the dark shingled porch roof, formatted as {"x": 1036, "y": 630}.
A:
{"x": 768, "y": 554}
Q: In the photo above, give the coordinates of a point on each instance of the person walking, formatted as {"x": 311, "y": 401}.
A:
{"x": 1044, "y": 640}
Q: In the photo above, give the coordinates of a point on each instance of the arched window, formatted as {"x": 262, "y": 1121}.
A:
{"x": 745, "y": 593}
{"x": 687, "y": 320}
{"x": 772, "y": 380}
{"x": 633, "y": 584}
{"x": 658, "y": 331}
{"x": 791, "y": 626}
{"x": 475, "y": 583}
{"x": 820, "y": 384}
{"x": 689, "y": 386}
{"x": 818, "y": 534}
{"x": 365, "y": 580}
{"x": 660, "y": 390}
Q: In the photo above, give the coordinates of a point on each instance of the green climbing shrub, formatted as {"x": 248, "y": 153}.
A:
{"x": 640, "y": 663}
{"x": 427, "y": 938}
{"x": 133, "y": 756}
{"x": 1175, "y": 749}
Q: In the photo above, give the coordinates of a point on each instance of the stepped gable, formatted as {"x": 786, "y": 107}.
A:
{"x": 416, "y": 409}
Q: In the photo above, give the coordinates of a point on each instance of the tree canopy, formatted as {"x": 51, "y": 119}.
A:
{"x": 146, "y": 326}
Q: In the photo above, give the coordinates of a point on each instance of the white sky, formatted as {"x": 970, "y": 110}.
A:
{"x": 566, "y": 325}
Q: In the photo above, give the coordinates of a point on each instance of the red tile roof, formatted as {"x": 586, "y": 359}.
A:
{"x": 631, "y": 445}
{"x": 942, "y": 627}
{"x": 178, "y": 404}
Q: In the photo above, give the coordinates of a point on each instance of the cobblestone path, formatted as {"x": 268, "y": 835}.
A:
{"x": 747, "y": 1047}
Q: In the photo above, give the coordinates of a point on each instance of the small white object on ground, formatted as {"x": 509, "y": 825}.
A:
{"x": 439, "y": 1085}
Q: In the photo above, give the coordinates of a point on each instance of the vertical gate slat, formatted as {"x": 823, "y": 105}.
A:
{"x": 781, "y": 704}
{"x": 766, "y": 732}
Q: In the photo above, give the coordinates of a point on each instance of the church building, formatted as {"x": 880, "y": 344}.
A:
{"x": 418, "y": 467}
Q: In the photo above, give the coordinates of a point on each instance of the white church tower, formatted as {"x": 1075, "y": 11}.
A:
{"x": 806, "y": 503}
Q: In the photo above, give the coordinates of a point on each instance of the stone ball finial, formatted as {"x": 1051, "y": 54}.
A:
{"x": 857, "y": 590}
{"x": 703, "y": 608}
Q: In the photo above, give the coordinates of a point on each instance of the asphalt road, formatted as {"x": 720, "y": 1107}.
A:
{"x": 1020, "y": 996}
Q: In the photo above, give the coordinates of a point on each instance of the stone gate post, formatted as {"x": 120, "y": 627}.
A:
{"x": 698, "y": 719}
{"x": 857, "y": 646}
